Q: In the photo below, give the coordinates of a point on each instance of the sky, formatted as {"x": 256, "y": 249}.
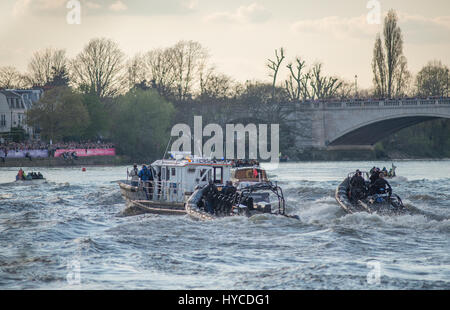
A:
{"x": 239, "y": 35}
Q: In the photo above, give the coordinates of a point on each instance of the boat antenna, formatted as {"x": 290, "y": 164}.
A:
{"x": 167, "y": 147}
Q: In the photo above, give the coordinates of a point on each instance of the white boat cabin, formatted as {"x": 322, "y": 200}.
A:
{"x": 176, "y": 178}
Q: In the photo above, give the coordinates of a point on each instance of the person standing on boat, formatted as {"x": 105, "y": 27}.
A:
{"x": 228, "y": 192}
{"x": 146, "y": 177}
{"x": 211, "y": 193}
{"x": 134, "y": 174}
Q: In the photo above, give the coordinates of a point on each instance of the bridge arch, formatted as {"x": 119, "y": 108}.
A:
{"x": 369, "y": 133}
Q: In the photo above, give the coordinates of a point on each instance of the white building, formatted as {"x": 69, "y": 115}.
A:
{"x": 13, "y": 107}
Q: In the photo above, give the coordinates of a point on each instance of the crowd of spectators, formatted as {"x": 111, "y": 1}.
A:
{"x": 23, "y": 146}
{"x": 40, "y": 145}
{"x": 81, "y": 145}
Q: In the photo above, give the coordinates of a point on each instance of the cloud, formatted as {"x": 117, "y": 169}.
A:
{"x": 415, "y": 28}
{"x": 253, "y": 13}
{"x": 24, "y": 7}
{"x": 421, "y": 30}
{"x": 93, "y": 5}
{"x": 340, "y": 27}
{"x": 118, "y": 6}
{"x": 190, "y": 4}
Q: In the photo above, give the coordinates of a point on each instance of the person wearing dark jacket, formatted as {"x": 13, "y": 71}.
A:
{"x": 381, "y": 186}
{"x": 211, "y": 193}
{"x": 229, "y": 189}
{"x": 228, "y": 192}
{"x": 146, "y": 176}
{"x": 374, "y": 176}
{"x": 358, "y": 186}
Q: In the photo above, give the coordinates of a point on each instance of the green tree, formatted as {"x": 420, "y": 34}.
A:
{"x": 60, "y": 114}
{"x": 100, "y": 117}
{"x": 140, "y": 124}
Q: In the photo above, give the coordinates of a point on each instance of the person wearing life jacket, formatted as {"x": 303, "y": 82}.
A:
{"x": 134, "y": 174}
{"x": 146, "y": 176}
{"x": 381, "y": 186}
{"x": 255, "y": 173}
{"x": 358, "y": 186}
{"x": 20, "y": 174}
{"x": 374, "y": 176}
{"x": 226, "y": 196}
{"x": 211, "y": 193}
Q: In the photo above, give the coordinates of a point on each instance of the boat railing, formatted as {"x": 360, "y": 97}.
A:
{"x": 166, "y": 191}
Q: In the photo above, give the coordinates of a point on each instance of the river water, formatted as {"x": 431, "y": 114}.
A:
{"x": 67, "y": 234}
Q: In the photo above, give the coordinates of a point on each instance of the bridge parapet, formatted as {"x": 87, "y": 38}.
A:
{"x": 392, "y": 103}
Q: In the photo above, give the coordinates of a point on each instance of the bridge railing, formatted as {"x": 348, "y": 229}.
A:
{"x": 392, "y": 103}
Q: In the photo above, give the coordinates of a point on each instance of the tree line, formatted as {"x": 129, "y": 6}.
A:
{"x": 100, "y": 93}
{"x": 183, "y": 72}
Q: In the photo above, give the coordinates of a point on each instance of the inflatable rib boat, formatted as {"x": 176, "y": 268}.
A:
{"x": 358, "y": 200}
{"x": 249, "y": 201}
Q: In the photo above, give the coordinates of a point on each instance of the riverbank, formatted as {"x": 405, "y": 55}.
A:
{"x": 61, "y": 162}
{"x": 356, "y": 155}
{"x": 310, "y": 156}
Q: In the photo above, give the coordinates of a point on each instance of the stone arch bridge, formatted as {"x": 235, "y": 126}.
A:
{"x": 361, "y": 124}
{"x": 351, "y": 124}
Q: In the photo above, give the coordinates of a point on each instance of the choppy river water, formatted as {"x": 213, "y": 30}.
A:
{"x": 66, "y": 235}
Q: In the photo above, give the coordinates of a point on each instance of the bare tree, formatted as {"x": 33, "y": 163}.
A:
{"x": 44, "y": 64}
{"x": 274, "y": 65}
{"x": 215, "y": 85}
{"x": 379, "y": 68}
{"x": 432, "y": 80}
{"x": 10, "y": 77}
{"x": 391, "y": 76}
{"x": 347, "y": 90}
{"x": 393, "y": 43}
{"x": 136, "y": 72}
{"x": 297, "y": 84}
{"x": 99, "y": 68}
{"x": 160, "y": 70}
{"x": 402, "y": 78}
{"x": 323, "y": 87}
{"x": 189, "y": 58}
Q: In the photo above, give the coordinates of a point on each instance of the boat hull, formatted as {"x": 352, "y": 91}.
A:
{"x": 365, "y": 205}
{"x": 33, "y": 181}
{"x": 136, "y": 198}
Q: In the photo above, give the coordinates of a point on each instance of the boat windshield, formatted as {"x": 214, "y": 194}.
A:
{"x": 251, "y": 175}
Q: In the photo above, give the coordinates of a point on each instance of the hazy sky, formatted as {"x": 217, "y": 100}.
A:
{"x": 240, "y": 35}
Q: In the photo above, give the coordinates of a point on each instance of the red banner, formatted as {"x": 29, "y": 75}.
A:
{"x": 87, "y": 152}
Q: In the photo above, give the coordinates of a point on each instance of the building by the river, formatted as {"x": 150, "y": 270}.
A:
{"x": 14, "y": 104}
